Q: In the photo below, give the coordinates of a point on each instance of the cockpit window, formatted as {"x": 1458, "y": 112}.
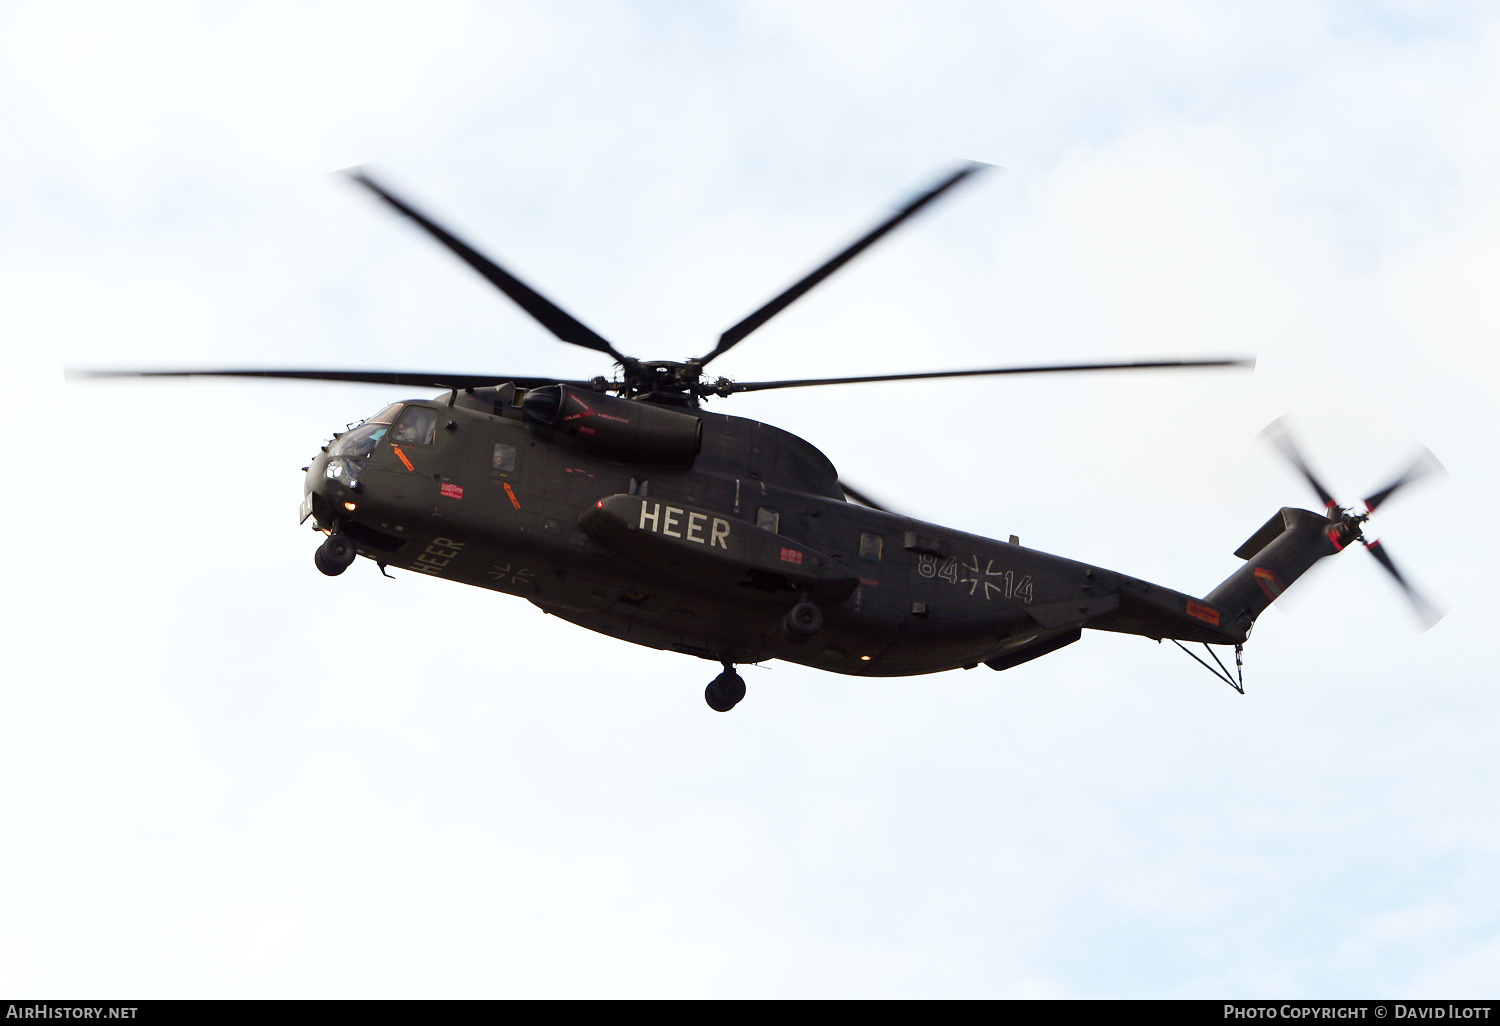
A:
{"x": 387, "y": 415}
{"x": 360, "y": 442}
{"x": 417, "y": 427}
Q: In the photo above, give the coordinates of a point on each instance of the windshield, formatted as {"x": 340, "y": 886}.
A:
{"x": 360, "y": 442}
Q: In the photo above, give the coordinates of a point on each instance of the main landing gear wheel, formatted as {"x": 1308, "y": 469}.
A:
{"x": 802, "y": 622}
{"x": 334, "y": 555}
{"x": 724, "y": 691}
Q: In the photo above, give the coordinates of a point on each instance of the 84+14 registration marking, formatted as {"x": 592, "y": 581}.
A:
{"x": 995, "y": 582}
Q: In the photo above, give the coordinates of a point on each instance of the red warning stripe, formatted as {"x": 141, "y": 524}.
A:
{"x": 1269, "y": 583}
{"x": 1208, "y": 614}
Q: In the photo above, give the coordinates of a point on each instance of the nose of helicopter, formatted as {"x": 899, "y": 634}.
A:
{"x": 329, "y": 489}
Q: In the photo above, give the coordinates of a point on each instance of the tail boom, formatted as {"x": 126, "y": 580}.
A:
{"x": 1275, "y": 556}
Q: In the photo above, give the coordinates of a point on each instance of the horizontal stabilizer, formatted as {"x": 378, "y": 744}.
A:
{"x": 1269, "y": 532}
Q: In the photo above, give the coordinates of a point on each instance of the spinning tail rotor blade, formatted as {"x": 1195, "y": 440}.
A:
{"x": 737, "y": 333}
{"x": 1278, "y": 435}
{"x": 1426, "y": 611}
{"x": 551, "y": 316}
{"x": 1421, "y": 467}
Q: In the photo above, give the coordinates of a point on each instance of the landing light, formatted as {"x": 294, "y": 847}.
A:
{"x": 865, "y": 659}
{"x": 349, "y": 506}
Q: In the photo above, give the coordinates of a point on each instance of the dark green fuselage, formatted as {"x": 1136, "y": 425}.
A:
{"x": 707, "y": 558}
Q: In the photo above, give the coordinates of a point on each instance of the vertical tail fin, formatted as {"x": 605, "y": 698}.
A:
{"x": 1275, "y": 556}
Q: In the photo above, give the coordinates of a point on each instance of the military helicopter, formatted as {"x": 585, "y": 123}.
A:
{"x": 623, "y": 506}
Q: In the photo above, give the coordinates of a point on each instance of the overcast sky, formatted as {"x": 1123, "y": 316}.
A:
{"x": 223, "y": 774}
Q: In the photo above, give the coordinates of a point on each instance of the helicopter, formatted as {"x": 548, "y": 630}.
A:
{"x": 623, "y": 506}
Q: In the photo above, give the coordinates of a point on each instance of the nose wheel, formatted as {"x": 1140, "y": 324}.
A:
{"x": 334, "y": 555}
{"x": 724, "y": 691}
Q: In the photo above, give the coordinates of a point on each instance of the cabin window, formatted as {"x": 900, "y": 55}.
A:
{"x": 769, "y": 519}
{"x": 504, "y": 459}
{"x": 870, "y": 546}
{"x": 418, "y": 425}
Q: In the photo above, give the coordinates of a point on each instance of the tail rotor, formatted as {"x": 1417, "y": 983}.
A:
{"x": 1345, "y": 526}
{"x": 1421, "y": 467}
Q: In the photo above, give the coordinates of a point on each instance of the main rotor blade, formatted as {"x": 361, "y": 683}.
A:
{"x": 417, "y": 379}
{"x": 759, "y": 386}
{"x": 1278, "y": 435}
{"x": 551, "y": 316}
{"x": 862, "y": 498}
{"x": 1426, "y": 463}
{"x": 1428, "y": 613}
{"x": 737, "y": 333}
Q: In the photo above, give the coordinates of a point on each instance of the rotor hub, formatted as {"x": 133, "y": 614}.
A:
{"x": 1346, "y": 527}
{"x": 665, "y": 380}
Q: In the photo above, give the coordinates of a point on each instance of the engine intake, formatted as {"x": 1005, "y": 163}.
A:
{"x": 614, "y": 428}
